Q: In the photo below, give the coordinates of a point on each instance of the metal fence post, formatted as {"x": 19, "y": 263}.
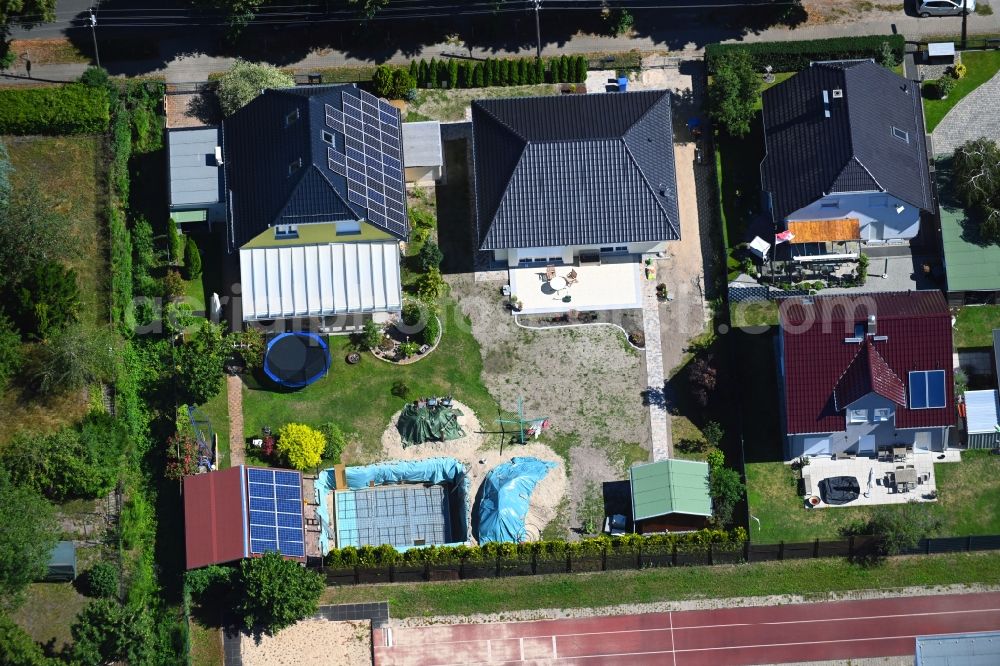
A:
{"x": 816, "y": 549}
{"x": 850, "y": 548}
{"x": 968, "y": 544}
{"x": 711, "y": 554}
{"x": 781, "y": 551}
{"x": 746, "y": 550}
{"x": 604, "y": 558}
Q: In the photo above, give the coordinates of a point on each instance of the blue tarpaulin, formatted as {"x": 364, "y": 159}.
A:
{"x": 506, "y": 497}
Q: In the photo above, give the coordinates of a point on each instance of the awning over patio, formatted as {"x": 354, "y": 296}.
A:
{"x": 317, "y": 280}
{"x": 825, "y": 231}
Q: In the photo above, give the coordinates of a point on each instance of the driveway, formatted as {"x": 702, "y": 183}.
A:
{"x": 974, "y": 117}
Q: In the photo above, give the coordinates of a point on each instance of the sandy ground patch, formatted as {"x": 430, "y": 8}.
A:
{"x": 472, "y": 452}
{"x": 312, "y": 643}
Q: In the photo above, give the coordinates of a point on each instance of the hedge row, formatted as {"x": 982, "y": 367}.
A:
{"x": 494, "y": 72}
{"x": 795, "y": 56}
{"x": 629, "y": 544}
{"x": 69, "y": 109}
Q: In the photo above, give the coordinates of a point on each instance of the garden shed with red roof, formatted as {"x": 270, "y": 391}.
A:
{"x": 860, "y": 371}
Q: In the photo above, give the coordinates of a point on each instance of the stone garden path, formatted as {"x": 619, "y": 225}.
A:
{"x": 234, "y": 396}
{"x": 974, "y": 117}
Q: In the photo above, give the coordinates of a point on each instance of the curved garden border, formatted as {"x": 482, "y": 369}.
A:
{"x": 596, "y": 323}
{"x": 418, "y": 357}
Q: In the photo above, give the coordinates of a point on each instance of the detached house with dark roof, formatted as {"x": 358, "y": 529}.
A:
{"x": 863, "y": 371}
{"x": 575, "y": 181}
{"x": 846, "y": 158}
{"x": 309, "y": 184}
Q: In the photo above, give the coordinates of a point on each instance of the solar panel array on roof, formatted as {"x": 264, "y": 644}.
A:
{"x": 276, "y": 523}
{"x": 372, "y": 159}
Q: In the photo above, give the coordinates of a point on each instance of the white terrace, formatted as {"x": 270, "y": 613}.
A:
{"x": 880, "y": 492}
{"x": 614, "y": 285}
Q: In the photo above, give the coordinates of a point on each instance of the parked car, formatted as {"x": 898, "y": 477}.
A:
{"x": 927, "y": 8}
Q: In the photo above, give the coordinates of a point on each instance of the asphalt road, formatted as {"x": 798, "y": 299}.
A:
{"x": 183, "y": 59}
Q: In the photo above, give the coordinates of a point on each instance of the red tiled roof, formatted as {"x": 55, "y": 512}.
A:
{"x": 817, "y": 363}
{"x": 214, "y": 522}
{"x": 868, "y": 373}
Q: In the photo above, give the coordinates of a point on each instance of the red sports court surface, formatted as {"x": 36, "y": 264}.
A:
{"x": 733, "y": 636}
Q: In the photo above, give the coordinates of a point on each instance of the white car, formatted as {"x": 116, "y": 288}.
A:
{"x": 927, "y": 8}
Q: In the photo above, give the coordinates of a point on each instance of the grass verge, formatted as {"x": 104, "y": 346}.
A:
{"x": 982, "y": 65}
{"x": 810, "y": 578}
{"x": 968, "y": 496}
{"x": 974, "y": 326}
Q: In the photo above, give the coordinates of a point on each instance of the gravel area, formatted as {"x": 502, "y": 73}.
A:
{"x": 694, "y": 604}
{"x": 312, "y": 643}
{"x": 472, "y": 452}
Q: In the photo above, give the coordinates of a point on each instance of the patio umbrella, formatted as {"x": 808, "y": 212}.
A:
{"x": 871, "y": 479}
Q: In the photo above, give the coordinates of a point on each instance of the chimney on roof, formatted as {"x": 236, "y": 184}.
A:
{"x": 871, "y": 325}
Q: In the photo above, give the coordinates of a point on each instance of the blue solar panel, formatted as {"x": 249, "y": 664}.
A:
{"x": 261, "y": 504}
{"x": 283, "y": 478}
{"x": 387, "y": 117}
{"x": 262, "y": 546}
{"x": 261, "y": 518}
{"x": 355, "y": 154}
{"x": 375, "y": 196}
{"x": 261, "y": 490}
{"x": 275, "y": 512}
{"x": 260, "y": 475}
{"x": 393, "y": 163}
{"x": 355, "y": 198}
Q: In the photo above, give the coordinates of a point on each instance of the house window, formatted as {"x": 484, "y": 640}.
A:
{"x": 294, "y": 166}
{"x": 902, "y": 135}
{"x": 291, "y": 117}
{"x": 286, "y": 231}
{"x": 607, "y": 250}
{"x": 882, "y": 414}
{"x": 346, "y": 227}
{"x": 328, "y": 138}
{"x": 927, "y": 389}
{"x": 858, "y": 416}
{"x": 621, "y": 248}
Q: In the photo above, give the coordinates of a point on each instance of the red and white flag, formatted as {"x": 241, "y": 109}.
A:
{"x": 783, "y": 237}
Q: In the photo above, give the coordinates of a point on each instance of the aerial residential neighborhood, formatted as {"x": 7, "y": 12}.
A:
{"x": 402, "y": 333}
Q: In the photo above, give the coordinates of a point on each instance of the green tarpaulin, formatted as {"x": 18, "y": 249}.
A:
{"x": 428, "y": 423}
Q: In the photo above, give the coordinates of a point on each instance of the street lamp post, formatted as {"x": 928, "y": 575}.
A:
{"x": 93, "y": 33}
{"x": 538, "y": 28}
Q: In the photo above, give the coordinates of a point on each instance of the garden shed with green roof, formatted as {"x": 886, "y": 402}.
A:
{"x": 670, "y": 496}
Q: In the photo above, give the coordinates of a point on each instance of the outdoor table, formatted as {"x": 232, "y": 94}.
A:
{"x": 907, "y": 476}
{"x": 558, "y": 283}
{"x": 899, "y": 452}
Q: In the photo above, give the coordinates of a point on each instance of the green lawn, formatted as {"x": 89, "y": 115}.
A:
{"x": 974, "y": 325}
{"x": 217, "y": 411}
{"x": 968, "y": 502}
{"x": 810, "y": 578}
{"x": 358, "y": 397}
{"x": 749, "y": 315}
{"x": 206, "y": 645}
{"x": 983, "y": 65}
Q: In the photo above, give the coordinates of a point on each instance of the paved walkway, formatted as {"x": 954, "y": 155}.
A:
{"x": 974, "y": 117}
{"x": 659, "y": 419}
{"x": 234, "y": 395}
{"x": 734, "y": 636}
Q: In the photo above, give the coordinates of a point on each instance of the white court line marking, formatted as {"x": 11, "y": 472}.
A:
{"x": 670, "y": 616}
{"x": 520, "y": 647}
{"x": 743, "y": 624}
{"x": 555, "y": 649}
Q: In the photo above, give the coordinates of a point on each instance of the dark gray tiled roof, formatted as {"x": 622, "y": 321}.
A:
{"x": 259, "y": 147}
{"x": 854, "y": 150}
{"x": 575, "y": 170}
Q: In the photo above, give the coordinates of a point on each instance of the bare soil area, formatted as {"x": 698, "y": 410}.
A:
{"x": 473, "y": 451}
{"x": 312, "y": 643}
{"x": 822, "y": 12}
{"x": 586, "y": 381}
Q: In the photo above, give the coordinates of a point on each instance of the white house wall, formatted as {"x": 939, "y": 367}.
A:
{"x": 320, "y": 280}
{"x": 876, "y": 212}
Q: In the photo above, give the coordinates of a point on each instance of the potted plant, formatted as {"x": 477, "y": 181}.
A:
{"x": 515, "y": 303}
{"x": 661, "y": 291}
{"x": 567, "y": 298}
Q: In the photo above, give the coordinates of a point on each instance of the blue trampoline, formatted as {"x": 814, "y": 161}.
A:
{"x": 295, "y": 360}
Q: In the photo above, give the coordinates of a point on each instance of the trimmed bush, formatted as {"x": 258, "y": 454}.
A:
{"x": 795, "y": 56}
{"x": 101, "y": 581}
{"x": 192, "y": 259}
{"x": 70, "y": 109}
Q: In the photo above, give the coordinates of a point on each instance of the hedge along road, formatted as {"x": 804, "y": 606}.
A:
{"x": 805, "y": 578}
{"x": 659, "y": 31}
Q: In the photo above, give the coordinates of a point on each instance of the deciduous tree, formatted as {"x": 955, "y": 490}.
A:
{"x": 199, "y": 364}
{"x": 31, "y": 233}
{"x": 244, "y": 81}
{"x": 976, "y": 180}
{"x": 734, "y": 92}
{"x": 273, "y": 593}
{"x": 28, "y": 532}
{"x": 301, "y": 445}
